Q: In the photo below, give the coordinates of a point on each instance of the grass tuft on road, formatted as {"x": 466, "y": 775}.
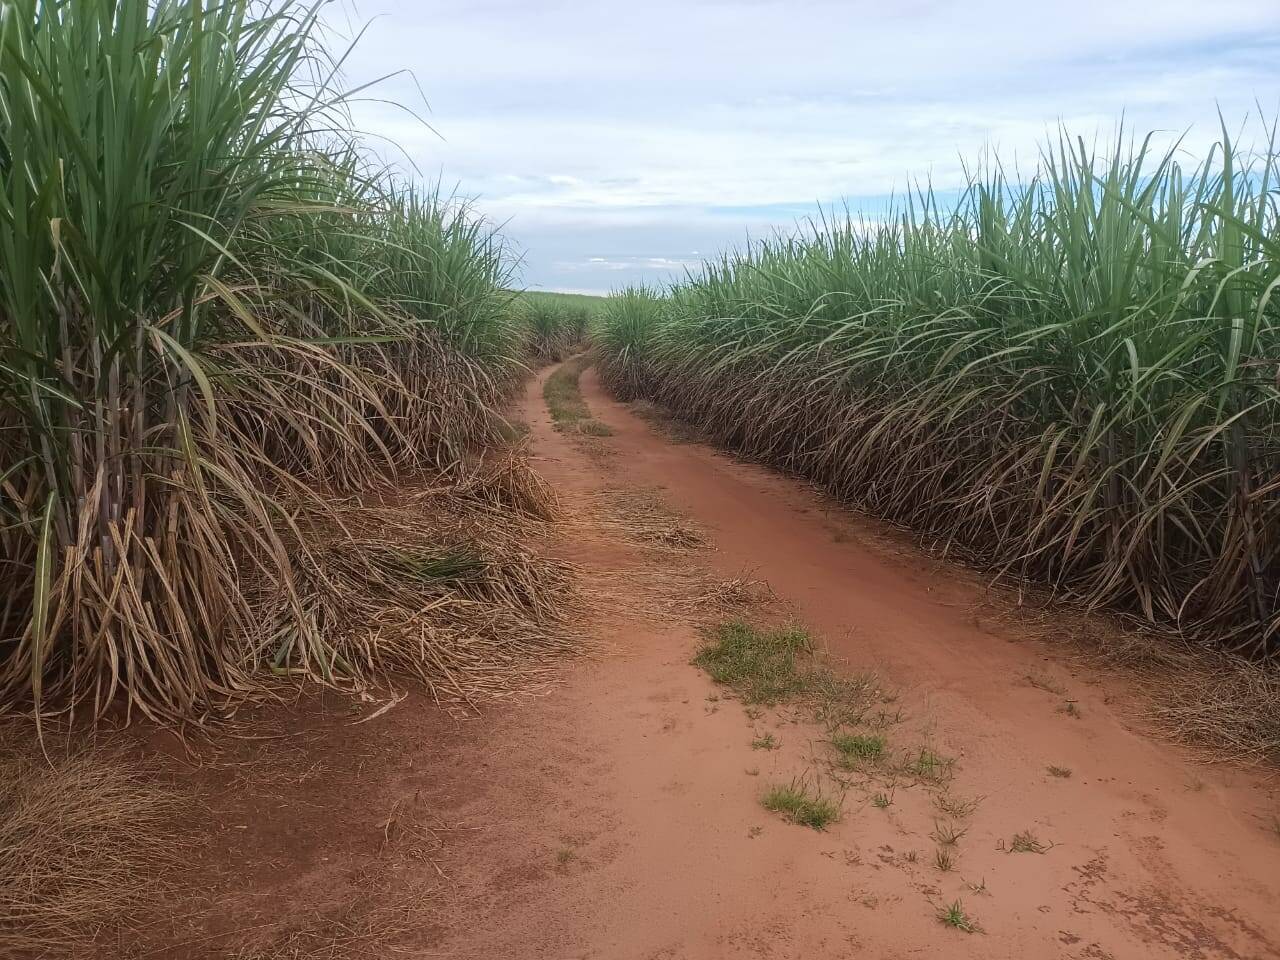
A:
{"x": 563, "y": 395}
{"x": 763, "y": 664}
{"x": 799, "y": 804}
{"x": 855, "y": 748}
{"x": 953, "y": 915}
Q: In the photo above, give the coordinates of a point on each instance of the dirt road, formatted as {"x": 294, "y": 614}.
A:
{"x": 617, "y": 816}
{"x": 633, "y": 827}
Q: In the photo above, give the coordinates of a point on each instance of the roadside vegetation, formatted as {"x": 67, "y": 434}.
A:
{"x": 557, "y": 322}
{"x": 801, "y": 804}
{"x": 82, "y": 834}
{"x": 218, "y": 325}
{"x": 1072, "y": 377}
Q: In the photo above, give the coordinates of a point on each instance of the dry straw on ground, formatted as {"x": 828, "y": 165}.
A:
{"x": 1216, "y": 701}
{"x": 447, "y": 582}
{"x": 82, "y": 839}
{"x": 444, "y": 581}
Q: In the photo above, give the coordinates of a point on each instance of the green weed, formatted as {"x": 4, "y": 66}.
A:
{"x": 953, "y": 915}
{"x": 763, "y": 664}
{"x": 799, "y": 804}
{"x": 855, "y": 747}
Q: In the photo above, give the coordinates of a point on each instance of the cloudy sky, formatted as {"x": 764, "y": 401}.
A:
{"x": 619, "y": 142}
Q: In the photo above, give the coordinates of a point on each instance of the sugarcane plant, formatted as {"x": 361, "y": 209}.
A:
{"x": 1073, "y": 377}
{"x": 214, "y": 313}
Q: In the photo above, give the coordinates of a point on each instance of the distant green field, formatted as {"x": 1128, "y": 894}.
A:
{"x": 565, "y": 300}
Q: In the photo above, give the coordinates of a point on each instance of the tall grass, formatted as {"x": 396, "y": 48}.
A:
{"x": 557, "y": 322}
{"x": 624, "y": 337}
{"x": 213, "y": 316}
{"x": 1074, "y": 378}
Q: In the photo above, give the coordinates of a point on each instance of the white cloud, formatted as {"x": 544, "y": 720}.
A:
{"x": 573, "y": 120}
{"x": 629, "y": 263}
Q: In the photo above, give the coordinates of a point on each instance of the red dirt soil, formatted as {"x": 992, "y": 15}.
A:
{"x": 619, "y": 815}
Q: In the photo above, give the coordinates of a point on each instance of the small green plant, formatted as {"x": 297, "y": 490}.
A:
{"x": 767, "y": 742}
{"x": 856, "y": 747}
{"x": 565, "y": 856}
{"x": 944, "y": 859}
{"x": 763, "y": 664}
{"x": 882, "y": 800}
{"x": 1061, "y": 772}
{"x": 771, "y": 665}
{"x": 953, "y": 915}
{"x": 799, "y": 805}
{"x": 948, "y": 834}
{"x": 457, "y": 564}
{"x": 927, "y": 765}
{"x": 912, "y": 856}
{"x": 594, "y": 428}
{"x": 1071, "y": 709}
